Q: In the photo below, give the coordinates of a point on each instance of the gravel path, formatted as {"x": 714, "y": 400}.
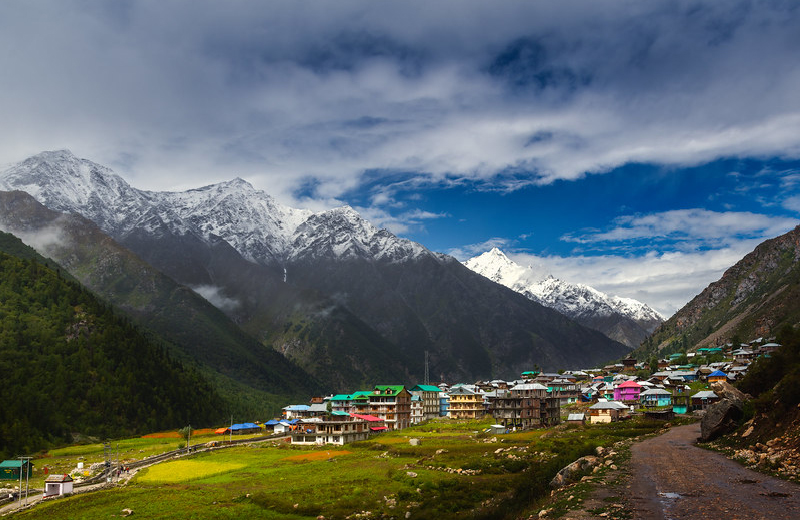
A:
{"x": 670, "y": 478}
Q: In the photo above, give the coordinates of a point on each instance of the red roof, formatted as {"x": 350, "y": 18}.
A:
{"x": 630, "y": 384}
{"x": 370, "y": 418}
{"x": 379, "y": 428}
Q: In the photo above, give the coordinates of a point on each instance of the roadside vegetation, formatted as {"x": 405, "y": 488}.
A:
{"x": 440, "y": 469}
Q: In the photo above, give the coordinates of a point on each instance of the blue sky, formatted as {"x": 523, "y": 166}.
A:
{"x": 640, "y": 147}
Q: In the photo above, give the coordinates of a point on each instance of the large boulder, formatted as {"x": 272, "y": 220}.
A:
{"x": 727, "y": 391}
{"x": 720, "y": 418}
{"x": 568, "y": 472}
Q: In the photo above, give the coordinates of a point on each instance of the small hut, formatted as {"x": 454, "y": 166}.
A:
{"x": 56, "y": 485}
{"x": 11, "y": 469}
{"x": 576, "y": 418}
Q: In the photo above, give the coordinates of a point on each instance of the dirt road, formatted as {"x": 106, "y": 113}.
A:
{"x": 670, "y": 478}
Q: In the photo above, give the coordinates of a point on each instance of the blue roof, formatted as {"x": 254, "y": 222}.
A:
{"x": 717, "y": 373}
{"x": 296, "y": 407}
{"x": 271, "y": 422}
{"x": 244, "y": 426}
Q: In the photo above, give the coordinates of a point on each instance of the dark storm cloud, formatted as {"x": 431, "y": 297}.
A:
{"x": 283, "y": 92}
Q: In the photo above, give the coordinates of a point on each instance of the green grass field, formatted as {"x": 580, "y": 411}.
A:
{"x": 64, "y": 460}
{"x": 455, "y": 472}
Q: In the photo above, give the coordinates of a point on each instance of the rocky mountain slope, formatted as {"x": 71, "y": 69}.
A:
{"x": 755, "y": 298}
{"x": 623, "y": 319}
{"x": 347, "y": 301}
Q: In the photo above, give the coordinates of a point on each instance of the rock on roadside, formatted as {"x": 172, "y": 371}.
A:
{"x": 567, "y": 473}
{"x": 721, "y": 417}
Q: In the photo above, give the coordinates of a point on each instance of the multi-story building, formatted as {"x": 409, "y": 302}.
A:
{"x": 430, "y": 400}
{"x": 392, "y": 403}
{"x": 357, "y": 402}
{"x": 416, "y": 409}
{"x": 527, "y": 405}
{"x": 444, "y": 403}
{"x": 465, "y": 404}
{"x": 338, "y": 429}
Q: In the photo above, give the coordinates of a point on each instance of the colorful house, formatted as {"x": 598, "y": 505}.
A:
{"x": 628, "y": 391}
{"x": 392, "y": 403}
{"x": 606, "y": 412}
{"x": 656, "y": 397}
{"x": 430, "y": 400}
{"x": 444, "y": 404}
{"x": 465, "y": 404}
{"x": 718, "y": 376}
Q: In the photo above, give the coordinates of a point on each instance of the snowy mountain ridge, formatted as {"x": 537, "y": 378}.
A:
{"x": 577, "y": 301}
{"x": 251, "y": 221}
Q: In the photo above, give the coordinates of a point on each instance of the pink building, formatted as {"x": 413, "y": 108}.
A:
{"x": 627, "y": 391}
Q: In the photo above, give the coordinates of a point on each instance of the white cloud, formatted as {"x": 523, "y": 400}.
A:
{"x": 401, "y": 223}
{"x": 216, "y": 298}
{"x": 665, "y": 281}
{"x": 792, "y": 203}
{"x": 688, "y": 228}
{"x": 466, "y": 252}
{"x": 682, "y": 252}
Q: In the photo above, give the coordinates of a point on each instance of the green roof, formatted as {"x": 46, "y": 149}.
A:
{"x": 389, "y": 389}
{"x": 361, "y": 394}
{"x": 11, "y": 464}
{"x": 336, "y": 412}
{"x": 426, "y": 388}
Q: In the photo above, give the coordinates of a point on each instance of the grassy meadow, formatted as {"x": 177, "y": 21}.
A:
{"x": 64, "y": 460}
{"x": 456, "y": 471}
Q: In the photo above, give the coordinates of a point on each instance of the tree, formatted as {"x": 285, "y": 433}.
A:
{"x": 186, "y": 433}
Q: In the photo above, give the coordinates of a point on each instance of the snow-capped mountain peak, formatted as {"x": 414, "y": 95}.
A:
{"x": 496, "y": 266}
{"x": 577, "y": 301}
{"x": 250, "y": 220}
{"x": 63, "y": 182}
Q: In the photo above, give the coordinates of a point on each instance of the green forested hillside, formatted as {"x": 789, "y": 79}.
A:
{"x": 254, "y": 380}
{"x": 774, "y": 380}
{"x": 70, "y": 364}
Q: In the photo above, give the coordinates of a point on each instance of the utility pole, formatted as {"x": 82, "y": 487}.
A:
{"x": 107, "y": 462}
{"x": 117, "y": 471}
{"x": 25, "y": 463}
{"x": 19, "y": 495}
{"x": 230, "y": 431}
{"x": 189, "y": 439}
{"x": 427, "y": 371}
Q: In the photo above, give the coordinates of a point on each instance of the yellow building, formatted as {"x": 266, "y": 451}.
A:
{"x": 465, "y": 404}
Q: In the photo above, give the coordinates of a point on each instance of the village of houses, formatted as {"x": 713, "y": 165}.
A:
{"x": 613, "y": 393}
{"x": 605, "y": 395}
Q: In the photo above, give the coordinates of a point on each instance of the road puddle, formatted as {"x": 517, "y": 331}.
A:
{"x": 671, "y": 496}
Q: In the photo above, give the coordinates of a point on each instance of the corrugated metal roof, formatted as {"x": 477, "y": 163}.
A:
{"x": 11, "y": 464}
{"x": 425, "y": 388}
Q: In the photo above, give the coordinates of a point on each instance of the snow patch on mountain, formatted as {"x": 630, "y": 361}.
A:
{"x": 577, "y": 301}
